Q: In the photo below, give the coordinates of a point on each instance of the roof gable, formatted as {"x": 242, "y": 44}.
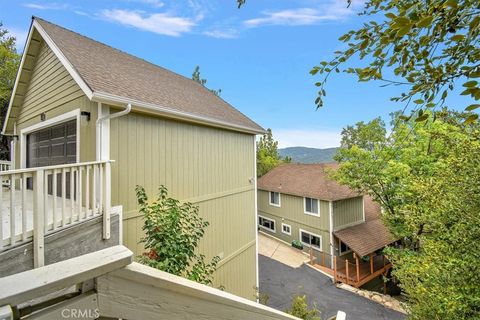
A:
{"x": 110, "y": 75}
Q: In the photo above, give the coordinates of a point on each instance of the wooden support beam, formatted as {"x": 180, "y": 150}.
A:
{"x": 346, "y": 269}
{"x": 371, "y": 262}
{"x": 335, "y": 268}
{"x": 357, "y": 265}
{"x": 323, "y": 258}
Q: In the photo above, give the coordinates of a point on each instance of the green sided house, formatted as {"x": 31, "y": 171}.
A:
{"x": 89, "y": 122}
{"x": 340, "y": 229}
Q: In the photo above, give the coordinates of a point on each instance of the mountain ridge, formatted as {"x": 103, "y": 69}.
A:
{"x": 308, "y": 155}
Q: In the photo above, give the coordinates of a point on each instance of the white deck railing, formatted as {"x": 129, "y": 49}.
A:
{"x": 5, "y": 165}
{"x": 39, "y": 201}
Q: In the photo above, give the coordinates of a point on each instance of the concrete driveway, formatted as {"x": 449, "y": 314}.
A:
{"x": 277, "y": 250}
{"x": 282, "y": 282}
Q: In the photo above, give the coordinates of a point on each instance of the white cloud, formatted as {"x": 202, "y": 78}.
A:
{"x": 46, "y": 6}
{"x": 152, "y": 3}
{"x": 161, "y": 23}
{"x": 222, "y": 34}
{"x": 331, "y": 10}
{"x": 307, "y": 138}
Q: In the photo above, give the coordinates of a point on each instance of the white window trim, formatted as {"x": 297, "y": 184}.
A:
{"x": 74, "y": 114}
{"x": 289, "y": 227}
{"x": 312, "y": 234}
{"x": 279, "y": 199}
{"x": 265, "y": 228}
{"x": 340, "y": 252}
{"x": 305, "y": 207}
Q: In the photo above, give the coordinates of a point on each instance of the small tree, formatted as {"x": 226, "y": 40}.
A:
{"x": 267, "y": 154}
{"x": 197, "y": 78}
{"x": 172, "y": 233}
{"x": 300, "y": 309}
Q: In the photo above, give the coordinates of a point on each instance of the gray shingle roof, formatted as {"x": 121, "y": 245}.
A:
{"x": 305, "y": 180}
{"x": 108, "y": 70}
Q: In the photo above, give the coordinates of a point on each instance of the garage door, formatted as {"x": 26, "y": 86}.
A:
{"x": 52, "y": 146}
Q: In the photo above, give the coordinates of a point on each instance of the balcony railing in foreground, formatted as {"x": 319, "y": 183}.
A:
{"x": 35, "y": 202}
{"x": 108, "y": 284}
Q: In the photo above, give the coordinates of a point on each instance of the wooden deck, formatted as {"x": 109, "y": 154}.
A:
{"x": 359, "y": 272}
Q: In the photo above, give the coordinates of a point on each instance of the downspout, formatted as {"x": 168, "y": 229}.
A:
{"x": 98, "y": 125}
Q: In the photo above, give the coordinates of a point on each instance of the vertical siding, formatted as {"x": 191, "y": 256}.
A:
{"x": 292, "y": 213}
{"x": 347, "y": 212}
{"x": 51, "y": 90}
{"x": 207, "y": 166}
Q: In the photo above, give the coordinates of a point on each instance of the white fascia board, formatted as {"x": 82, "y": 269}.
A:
{"x": 17, "y": 78}
{"x": 167, "y": 112}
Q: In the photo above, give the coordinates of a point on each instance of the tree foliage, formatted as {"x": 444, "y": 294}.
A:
{"x": 197, "y": 78}
{"x": 429, "y": 45}
{"x": 9, "y": 60}
{"x": 301, "y": 310}
{"x": 427, "y": 178}
{"x": 267, "y": 154}
{"x": 172, "y": 234}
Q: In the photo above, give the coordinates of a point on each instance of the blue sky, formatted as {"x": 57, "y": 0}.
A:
{"x": 260, "y": 55}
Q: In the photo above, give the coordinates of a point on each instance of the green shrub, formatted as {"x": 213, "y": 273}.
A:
{"x": 300, "y": 309}
{"x": 172, "y": 233}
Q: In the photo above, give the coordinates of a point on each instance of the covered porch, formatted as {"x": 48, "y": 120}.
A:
{"x": 360, "y": 257}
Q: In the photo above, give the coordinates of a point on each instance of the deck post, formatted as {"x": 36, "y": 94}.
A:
{"x": 357, "y": 265}
{"x": 107, "y": 204}
{"x": 38, "y": 219}
{"x": 335, "y": 268}
{"x": 323, "y": 258}
{"x": 346, "y": 269}
{"x": 371, "y": 263}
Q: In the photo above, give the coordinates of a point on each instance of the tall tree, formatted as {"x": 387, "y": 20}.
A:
{"x": 197, "y": 78}
{"x": 267, "y": 154}
{"x": 412, "y": 174}
{"x": 9, "y": 60}
{"x": 426, "y": 46}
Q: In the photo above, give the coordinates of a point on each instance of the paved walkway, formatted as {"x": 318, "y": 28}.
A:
{"x": 283, "y": 276}
{"x": 277, "y": 250}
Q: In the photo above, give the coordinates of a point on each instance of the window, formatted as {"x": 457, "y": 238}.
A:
{"x": 286, "y": 228}
{"x": 274, "y": 199}
{"x": 311, "y": 207}
{"x": 311, "y": 240}
{"x": 344, "y": 248}
{"x": 266, "y": 223}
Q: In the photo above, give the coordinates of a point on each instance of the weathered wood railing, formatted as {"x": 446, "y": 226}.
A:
{"x": 5, "y": 165}
{"x": 39, "y": 201}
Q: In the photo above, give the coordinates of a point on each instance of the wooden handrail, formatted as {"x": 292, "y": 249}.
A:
{"x": 61, "y": 166}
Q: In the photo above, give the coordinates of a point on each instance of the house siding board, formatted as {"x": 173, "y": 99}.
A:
{"x": 47, "y": 92}
{"x": 347, "y": 212}
{"x": 292, "y": 212}
{"x": 203, "y": 165}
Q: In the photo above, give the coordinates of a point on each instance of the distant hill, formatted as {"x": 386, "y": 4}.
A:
{"x": 308, "y": 155}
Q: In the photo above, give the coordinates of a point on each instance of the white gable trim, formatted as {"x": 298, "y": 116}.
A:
{"x": 17, "y": 78}
{"x": 60, "y": 56}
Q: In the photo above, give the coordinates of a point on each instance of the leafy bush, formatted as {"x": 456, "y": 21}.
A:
{"x": 172, "y": 233}
{"x": 300, "y": 309}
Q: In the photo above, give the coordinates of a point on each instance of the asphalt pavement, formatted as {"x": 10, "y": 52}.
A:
{"x": 282, "y": 282}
